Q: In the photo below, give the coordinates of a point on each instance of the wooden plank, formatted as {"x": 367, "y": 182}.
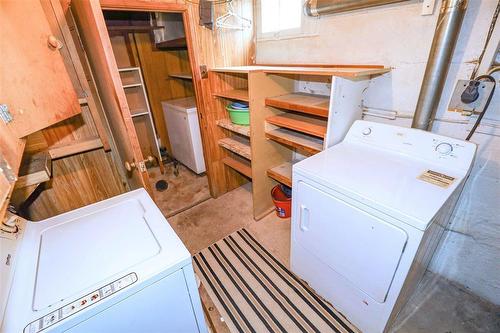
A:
{"x": 235, "y": 94}
{"x": 343, "y": 71}
{"x": 75, "y": 147}
{"x": 228, "y": 124}
{"x": 265, "y": 153}
{"x": 237, "y": 145}
{"x": 240, "y": 165}
{"x": 133, "y": 28}
{"x": 77, "y": 181}
{"x": 35, "y": 82}
{"x": 35, "y": 169}
{"x": 183, "y": 76}
{"x": 95, "y": 38}
{"x": 305, "y": 143}
{"x": 76, "y": 57}
{"x": 173, "y": 44}
{"x": 282, "y": 173}
{"x": 317, "y": 105}
{"x": 304, "y": 124}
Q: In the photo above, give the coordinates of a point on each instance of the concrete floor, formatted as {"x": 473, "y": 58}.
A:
{"x": 185, "y": 190}
{"x": 437, "y": 306}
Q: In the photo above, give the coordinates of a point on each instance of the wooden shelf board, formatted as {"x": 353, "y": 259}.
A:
{"x": 138, "y": 112}
{"x": 35, "y": 169}
{"x": 333, "y": 70}
{"x": 317, "y": 105}
{"x": 240, "y": 165}
{"x": 133, "y": 85}
{"x": 182, "y": 76}
{"x": 303, "y": 142}
{"x": 237, "y": 145}
{"x": 282, "y": 173}
{"x": 128, "y": 69}
{"x": 75, "y": 147}
{"x": 300, "y": 123}
{"x": 173, "y": 44}
{"x": 135, "y": 28}
{"x": 240, "y": 129}
{"x": 236, "y": 94}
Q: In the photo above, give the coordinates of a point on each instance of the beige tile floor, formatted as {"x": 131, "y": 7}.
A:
{"x": 438, "y": 305}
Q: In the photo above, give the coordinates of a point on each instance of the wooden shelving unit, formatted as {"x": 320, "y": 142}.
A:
{"x": 317, "y": 105}
{"x": 237, "y": 145}
{"x": 292, "y": 111}
{"x": 228, "y": 124}
{"x": 234, "y": 94}
{"x": 140, "y": 111}
{"x": 307, "y": 144}
{"x": 308, "y": 125}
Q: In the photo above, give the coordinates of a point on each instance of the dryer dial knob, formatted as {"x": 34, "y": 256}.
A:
{"x": 444, "y": 148}
{"x": 367, "y": 131}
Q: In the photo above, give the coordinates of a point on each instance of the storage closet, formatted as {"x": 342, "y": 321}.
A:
{"x": 151, "y": 55}
{"x": 295, "y": 112}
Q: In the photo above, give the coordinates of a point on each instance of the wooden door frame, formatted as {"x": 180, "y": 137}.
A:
{"x": 160, "y": 6}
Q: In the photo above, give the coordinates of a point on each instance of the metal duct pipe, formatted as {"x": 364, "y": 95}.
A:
{"x": 319, "y": 7}
{"x": 445, "y": 38}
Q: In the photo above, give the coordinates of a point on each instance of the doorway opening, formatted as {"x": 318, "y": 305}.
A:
{"x": 152, "y": 57}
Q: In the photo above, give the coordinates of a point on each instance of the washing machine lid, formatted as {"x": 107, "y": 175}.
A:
{"x": 399, "y": 171}
{"x": 70, "y": 254}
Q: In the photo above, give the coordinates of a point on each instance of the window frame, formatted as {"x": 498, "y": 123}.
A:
{"x": 305, "y": 29}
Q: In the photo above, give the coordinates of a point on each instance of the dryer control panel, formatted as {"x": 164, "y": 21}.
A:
{"x": 437, "y": 149}
{"x": 84, "y": 302}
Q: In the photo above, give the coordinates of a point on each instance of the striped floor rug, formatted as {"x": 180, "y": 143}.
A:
{"x": 254, "y": 292}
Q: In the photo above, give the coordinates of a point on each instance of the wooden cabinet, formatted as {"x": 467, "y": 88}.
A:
{"x": 34, "y": 83}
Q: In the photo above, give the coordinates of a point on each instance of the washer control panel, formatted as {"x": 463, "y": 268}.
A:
{"x": 70, "y": 309}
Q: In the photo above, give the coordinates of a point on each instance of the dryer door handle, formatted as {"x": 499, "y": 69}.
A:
{"x": 304, "y": 218}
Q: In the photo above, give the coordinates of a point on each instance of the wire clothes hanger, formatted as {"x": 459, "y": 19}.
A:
{"x": 233, "y": 21}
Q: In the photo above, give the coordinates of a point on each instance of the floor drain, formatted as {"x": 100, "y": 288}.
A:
{"x": 161, "y": 185}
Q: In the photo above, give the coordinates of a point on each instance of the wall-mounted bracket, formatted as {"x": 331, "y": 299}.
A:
{"x": 5, "y": 114}
{"x": 428, "y": 7}
{"x": 6, "y": 170}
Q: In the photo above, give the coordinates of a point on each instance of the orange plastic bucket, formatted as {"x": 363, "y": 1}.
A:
{"x": 282, "y": 202}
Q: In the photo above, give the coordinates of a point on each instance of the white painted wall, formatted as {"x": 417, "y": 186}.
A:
{"x": 398, "y": 36}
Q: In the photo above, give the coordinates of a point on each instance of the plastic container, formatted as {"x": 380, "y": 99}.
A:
{"x": 238, "y": 116}
{"x": 282, "y": 202}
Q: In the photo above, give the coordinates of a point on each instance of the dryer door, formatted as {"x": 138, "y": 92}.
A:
{"x": 361, "y": 247}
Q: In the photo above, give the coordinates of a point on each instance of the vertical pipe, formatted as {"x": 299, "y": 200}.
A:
{"x": 445, "y": 38}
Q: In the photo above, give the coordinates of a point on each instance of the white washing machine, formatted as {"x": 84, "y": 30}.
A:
{"x": 114, "y": 266}
{"x": 181, "y": 117}
{"x": 368, "y": 214}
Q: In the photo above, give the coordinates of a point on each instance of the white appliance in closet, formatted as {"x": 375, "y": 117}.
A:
{"x": 184, "y": 132}
{"x": 368, "y": 214}
{"x": 114, "y": 266}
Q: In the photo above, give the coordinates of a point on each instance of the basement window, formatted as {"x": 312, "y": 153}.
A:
{"x": 281, "y": 19}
